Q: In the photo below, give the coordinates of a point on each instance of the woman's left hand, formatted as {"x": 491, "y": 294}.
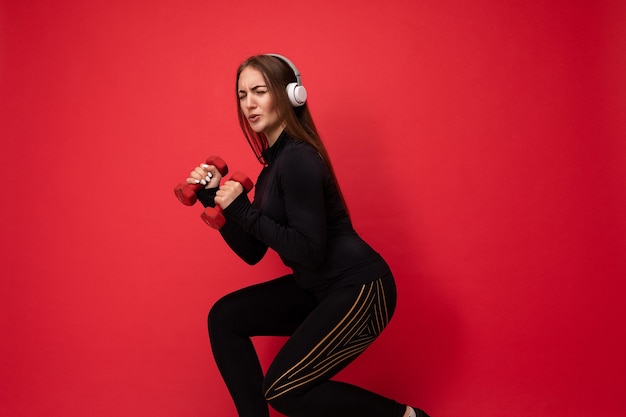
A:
{"x": 227, "y": 193}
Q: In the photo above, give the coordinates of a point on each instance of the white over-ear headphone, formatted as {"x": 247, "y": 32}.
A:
{"x": 295, "y": 91}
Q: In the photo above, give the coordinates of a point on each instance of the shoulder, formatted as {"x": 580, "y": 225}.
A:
{"x": 298, "y": 155}
{"x": 300, "y": 163}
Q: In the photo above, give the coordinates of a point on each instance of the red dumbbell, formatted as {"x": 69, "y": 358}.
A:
{"x": 213, "y": 216}
{"x": 186, "y": 193}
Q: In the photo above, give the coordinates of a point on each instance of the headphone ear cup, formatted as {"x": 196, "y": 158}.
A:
{"x": 297, "y": 94}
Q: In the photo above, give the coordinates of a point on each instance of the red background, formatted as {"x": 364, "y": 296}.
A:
{"x": 480, "y": 145}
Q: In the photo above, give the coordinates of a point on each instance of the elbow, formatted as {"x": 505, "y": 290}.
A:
{"x": 252, "y": 258}
{"x": 252, "y": 261}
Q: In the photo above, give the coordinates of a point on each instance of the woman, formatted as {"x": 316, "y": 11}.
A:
{"x": 341, "y": 293}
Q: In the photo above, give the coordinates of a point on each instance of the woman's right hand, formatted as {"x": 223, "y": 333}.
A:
{"x": 207, "y": 175}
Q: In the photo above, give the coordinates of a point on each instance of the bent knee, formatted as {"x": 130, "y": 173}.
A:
{"x": 223, "y": 314}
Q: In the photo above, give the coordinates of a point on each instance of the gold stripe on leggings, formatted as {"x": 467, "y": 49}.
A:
{"x": 367, "y": 317}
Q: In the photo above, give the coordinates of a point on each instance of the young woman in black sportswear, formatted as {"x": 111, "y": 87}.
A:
{"x": 341, "y": 293}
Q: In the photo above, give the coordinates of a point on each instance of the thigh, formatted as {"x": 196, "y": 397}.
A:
{"x": 340, "y": 327}
{"x": 272, "y": 308}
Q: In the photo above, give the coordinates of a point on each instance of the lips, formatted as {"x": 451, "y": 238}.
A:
{"x": 253, "y": 118}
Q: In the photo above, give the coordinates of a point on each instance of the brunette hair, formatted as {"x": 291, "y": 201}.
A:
{"x": 298, "y": 121}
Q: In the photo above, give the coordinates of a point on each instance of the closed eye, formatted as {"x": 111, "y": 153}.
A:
{"x": 257, "y": 89}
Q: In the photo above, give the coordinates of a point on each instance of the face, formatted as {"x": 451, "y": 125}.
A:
{"x": 257, "y": 105}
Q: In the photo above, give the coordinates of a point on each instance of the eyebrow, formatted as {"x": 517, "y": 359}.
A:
{"x": 256, "y": 87}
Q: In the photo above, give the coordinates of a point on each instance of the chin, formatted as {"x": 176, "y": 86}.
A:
{"x": 256, "y": 129}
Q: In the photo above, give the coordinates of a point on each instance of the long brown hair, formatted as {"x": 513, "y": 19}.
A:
{"x": 298, "y": 121}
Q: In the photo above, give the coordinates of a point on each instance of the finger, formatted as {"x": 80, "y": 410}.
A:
{"x": 234, "y": 185}
{"x": 220, "y": 198}
{"x": 203, "y": 176}
{"x": 196, "y": 178}
{"x": 211, "y": 169}
{"x": 201, "y": 172}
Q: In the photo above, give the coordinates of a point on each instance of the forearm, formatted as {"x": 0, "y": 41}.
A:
{"x": 304, "y": 246}
{"x": 246, "y": 246}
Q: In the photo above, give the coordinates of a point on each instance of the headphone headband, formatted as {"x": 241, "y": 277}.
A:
{"x": 296, "y": 91}
{"x": 291, "y": 64}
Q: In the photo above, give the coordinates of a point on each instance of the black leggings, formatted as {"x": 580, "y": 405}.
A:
{"x": 326, "y": 334}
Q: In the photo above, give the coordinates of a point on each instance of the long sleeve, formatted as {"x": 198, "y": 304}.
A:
{"x": 246, "y": 246}
{"x": 298, "y": 212}
{"x": 301, "y": 239}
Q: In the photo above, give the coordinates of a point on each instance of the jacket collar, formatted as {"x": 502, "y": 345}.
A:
{"x": 271, "y": 153}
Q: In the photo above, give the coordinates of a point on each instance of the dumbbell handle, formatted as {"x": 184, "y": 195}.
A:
{"x": 214, "y": 216}
{"x": 186, "y": 193}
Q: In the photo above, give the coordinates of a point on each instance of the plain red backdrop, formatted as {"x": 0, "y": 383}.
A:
{"x": 480, "y": 146}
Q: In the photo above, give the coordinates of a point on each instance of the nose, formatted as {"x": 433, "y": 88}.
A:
{"x": 249, "y": 102}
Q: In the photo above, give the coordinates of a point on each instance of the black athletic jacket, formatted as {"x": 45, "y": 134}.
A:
{"x": 297, "y": 212}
